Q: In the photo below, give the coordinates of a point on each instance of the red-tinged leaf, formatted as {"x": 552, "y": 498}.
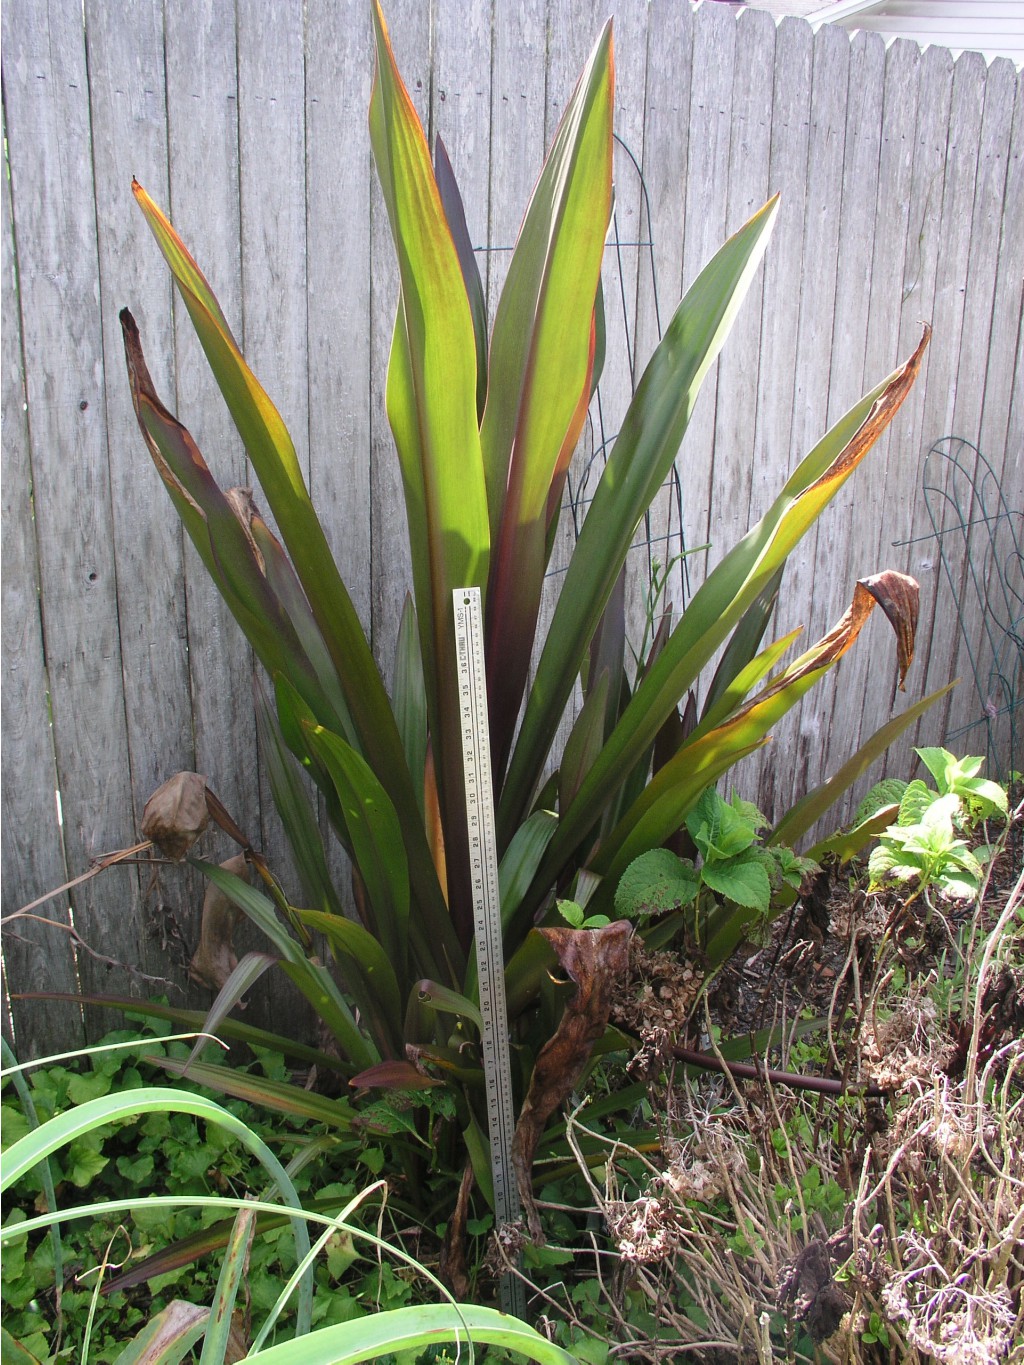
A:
{"x": 270, "y": 448}
{"x": 455, "y": 212}
{"x": 431, "y": 403}
{"x": 722, "y": 600}
{"x": 214, "y": 526}
{"x": 395, "y": 1074}
{"x": 265, "y": 1093}
{"x": 644, "y": 451}
{"x": 542, "y": 357}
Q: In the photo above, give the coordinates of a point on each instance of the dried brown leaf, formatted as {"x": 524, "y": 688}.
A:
{"x": 214, "y": 960}
{"x": 176, "y": 814}
{"x": 595, "y": 959}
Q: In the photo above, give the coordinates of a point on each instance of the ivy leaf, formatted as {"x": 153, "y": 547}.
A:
{"x": 84, "y": 1163}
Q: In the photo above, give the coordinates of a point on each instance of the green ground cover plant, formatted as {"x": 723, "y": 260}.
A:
{"x": 758, "y": 1219}
{"x": 189, "y": 1163}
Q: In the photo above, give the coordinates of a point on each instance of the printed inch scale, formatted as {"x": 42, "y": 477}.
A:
{"x": 483, "y": 858}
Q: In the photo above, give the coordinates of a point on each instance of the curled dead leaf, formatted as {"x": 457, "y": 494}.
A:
{"x": 882, "y": 412}
{"x": 595, "y": 959}
{"x": 896, "y": 593}
{"x": 176, "y": 814}
{"x": 214, "y": 960}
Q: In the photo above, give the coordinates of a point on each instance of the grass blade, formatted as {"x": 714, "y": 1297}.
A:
{"x": 233, "y": 1267}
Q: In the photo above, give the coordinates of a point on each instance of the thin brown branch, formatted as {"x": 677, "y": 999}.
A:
{"x": 101, "y": 865}
{"x": 80, "y": 942}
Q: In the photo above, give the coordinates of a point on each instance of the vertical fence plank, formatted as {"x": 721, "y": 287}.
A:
{"x": 518, "y": 68}
{"x": 920, "y": 267}
{"x": 36, "y": 956}
{"x": 738, "y": 369}
{"x": 125, "y": 43}
{"x": 954, "y": 235}
{"x": 808, "y": 597}
{"x": 705, "y": 228}
{"x": 773, "y": 456}
{"x": 862, "y": 686}
{"x": 202, "y": 111}
{"x": 969, "y": 407}
{"x": 272, "y": 184}
{"x": 339, "y": 75}
{"x": 51, "y": 157}
{"x": 659, "y": 286}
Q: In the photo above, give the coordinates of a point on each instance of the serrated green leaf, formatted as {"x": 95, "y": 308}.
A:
{"x": 743, "y": 880}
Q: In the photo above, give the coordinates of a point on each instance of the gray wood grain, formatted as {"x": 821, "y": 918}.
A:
{"x": 810, "y": 597}
{"x": 36, "y": 956}
{"x": 50, "y": 156}
{"x": 961, "y": 167}
{"x": 773, "y": 455}
{"x": 129, "y": 129}
{"x": 202, "y": 112}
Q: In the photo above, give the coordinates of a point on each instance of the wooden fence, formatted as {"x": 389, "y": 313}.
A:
{"x": 902, "y": 200}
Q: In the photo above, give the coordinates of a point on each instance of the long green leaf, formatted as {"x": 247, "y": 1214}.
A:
{"x": 410, "y": 697}
{"x": 659, "y": 811}
{"x": 265, "y": 1093}
{"x": 64, "y": 1128}
{"x": 431, "y": 403}
{"x": 234, "y": 1265}
{"x": 368, "y": 973}
{"x": 246, "y": 973}
{"x": 408, "y": 1329}
{"x": 271, "y": 450}
{"x": 313, "y": 980}
{"x": 193, "y": 1020}
{"x": 746, "y": 640}
{"x": 455, "y": 213}
{"x": 297, "y": 815}
{"x": 216, "y": 528}
{"x": 810, "y": 808}
{"x": 644, "y": 451}
{"x": 539, "y": 380}
{"x": 376, "y": 839}
{"x": 725, "y": 595}
{"x": 12, "y": 1068}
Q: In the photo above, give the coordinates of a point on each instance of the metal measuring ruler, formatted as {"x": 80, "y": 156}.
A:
{"x": 490, "y": 958}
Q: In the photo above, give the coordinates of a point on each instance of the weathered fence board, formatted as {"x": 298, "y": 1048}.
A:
{"x": 902, "y": 196}
{"x": 33, "y": 858}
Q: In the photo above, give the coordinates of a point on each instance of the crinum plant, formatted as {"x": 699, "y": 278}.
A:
{"x": 484, "y": 431}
